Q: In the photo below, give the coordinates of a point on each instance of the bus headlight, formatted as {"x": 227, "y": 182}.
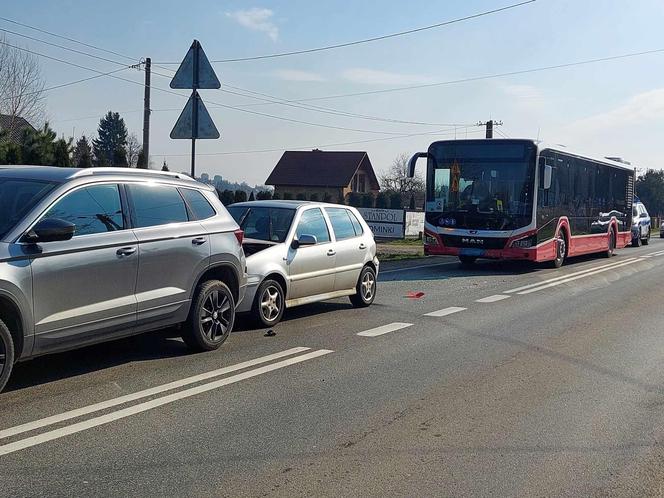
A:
{"x": 525, "y": 243}
{"x": 430, "y": 240}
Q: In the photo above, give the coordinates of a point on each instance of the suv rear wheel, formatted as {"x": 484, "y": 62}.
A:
{"x": 6, "y": 355}
{"x": 211, "y": 317}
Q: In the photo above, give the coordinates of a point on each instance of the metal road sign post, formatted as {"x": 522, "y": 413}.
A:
{"x": 195, "y": 72}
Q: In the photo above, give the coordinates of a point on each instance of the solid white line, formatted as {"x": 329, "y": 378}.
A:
{"x": 445, "y": 311}
{"x": 384, "y": 329}
{"x": 554, "y": 284}
{"x": 419, "y": 266}
{"x": 492, "y": 299}
{"x": 149, "y": 405}
{"x": 37, "y": 424}
{"x": 567, "y": 275}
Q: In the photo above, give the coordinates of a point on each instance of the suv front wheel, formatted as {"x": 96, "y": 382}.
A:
{"x": 6, "y": 355}
{"x": 211, "y": 317}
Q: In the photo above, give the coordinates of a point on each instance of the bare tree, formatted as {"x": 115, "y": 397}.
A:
{"x": 21, "y": 85}
{"x": 134, "y": 149}
{"x": 396, "y": 178}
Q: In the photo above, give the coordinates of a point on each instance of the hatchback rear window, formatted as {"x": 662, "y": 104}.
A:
{"x": 263, "y": 223}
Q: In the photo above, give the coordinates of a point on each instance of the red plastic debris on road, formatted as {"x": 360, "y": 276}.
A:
{"x": 414, "y": 295}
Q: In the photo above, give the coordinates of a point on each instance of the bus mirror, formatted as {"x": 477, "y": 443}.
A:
{"x": 548, "y": 172}
{"x": 413, "y": 160}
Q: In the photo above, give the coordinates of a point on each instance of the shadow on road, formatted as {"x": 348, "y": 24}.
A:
{"x": 42, "y": 370}
{"x": 245, "y": 323}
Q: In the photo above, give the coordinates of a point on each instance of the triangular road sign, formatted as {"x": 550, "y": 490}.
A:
{"x": 184, "y": 77}
{"x": 184, "y": 128}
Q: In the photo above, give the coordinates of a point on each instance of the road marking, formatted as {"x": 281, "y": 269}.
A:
{"x": 419, "y": 266}
{"x": 445, "y": 311}
{"x": 492, "y": 299}
{"x": 571, "y": 279}
{"x": 653, "y": 254}
{"x": 384, "y": 329}
{"x": 37, "y": 424}
{"x": 155, "y": 403}
{"x": 568, "y": 275}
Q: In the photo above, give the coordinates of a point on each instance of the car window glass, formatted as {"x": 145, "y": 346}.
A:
{"x": 17, "y": 197}
{"x": 341, "y": 223}
{"x": 269, "y": 224}
{"x": 199, "y": 205}
{"x": 356, "y": 224}
{"x": 281, "y": 220}
{"x": 313, "y": 223}
{"x": 94, "y": 209}
{"x": 157, "y": 205}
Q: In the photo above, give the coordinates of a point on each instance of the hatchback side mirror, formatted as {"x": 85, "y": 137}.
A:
{"x": 50, "y": 230}
{"x": 304, "y": 240}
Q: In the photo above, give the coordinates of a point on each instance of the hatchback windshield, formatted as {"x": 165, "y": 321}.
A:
{"x": 17, "y": 197}
{"x": 263, "y": 223}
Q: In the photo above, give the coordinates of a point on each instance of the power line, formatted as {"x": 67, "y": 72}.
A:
{"x": 487, "y": 77}
{"x": 62, "y": 37}
{"x": 225, "y": 106}
{"x": 445, "y": 132}
{"x": 373, "y": 39}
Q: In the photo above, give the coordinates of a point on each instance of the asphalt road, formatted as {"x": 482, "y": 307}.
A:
{"x": 521, "y": 381}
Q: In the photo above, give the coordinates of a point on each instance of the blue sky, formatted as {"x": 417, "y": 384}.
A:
{"x": 612, "y": 108}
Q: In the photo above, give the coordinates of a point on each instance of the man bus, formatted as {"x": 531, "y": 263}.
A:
{"x": 522, "y": 200}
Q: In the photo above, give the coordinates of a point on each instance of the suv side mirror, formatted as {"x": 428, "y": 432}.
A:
{"x": 304, "y": 240}
{"x": 50, "y": 230}
{"x": 548, "y": 173}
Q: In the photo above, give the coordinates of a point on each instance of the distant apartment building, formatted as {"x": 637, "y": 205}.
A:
{"x": 331, "y": 175}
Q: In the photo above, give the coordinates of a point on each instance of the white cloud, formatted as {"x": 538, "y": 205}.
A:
{"x": 257, "y": 19}
{"x": 640, "y": 109}
{"x": 297, "y": 75}
{"x": 368, "y": 76}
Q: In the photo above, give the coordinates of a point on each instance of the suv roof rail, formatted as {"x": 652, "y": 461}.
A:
{"x": 129, "y": 171}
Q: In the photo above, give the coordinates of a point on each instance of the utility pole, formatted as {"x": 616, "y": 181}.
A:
{"x": 146, "y": 114}
{"x": 489, "y": 126}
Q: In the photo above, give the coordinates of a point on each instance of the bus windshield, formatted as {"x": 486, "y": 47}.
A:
{"x": 481, "y": 184}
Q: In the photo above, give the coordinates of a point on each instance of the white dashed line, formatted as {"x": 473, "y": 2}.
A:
{"x": 445, "y": 311}
{"x": 385, "y": 329}
{"x": 493, "y": 299}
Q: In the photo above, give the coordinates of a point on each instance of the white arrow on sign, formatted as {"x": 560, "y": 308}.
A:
{"x": 190, "y": 126}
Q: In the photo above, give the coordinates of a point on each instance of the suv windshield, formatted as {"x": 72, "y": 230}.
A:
{"x": 263, "y": 223}
{"x": 485, "y": 185}
{"x": 17, "y": 197}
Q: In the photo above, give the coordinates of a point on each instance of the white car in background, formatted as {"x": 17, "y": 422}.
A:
{"x": 300, "y": 252}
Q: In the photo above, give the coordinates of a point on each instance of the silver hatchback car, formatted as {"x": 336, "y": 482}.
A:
{"x": 96, "y": 254}
{"x": 300, "y": 252}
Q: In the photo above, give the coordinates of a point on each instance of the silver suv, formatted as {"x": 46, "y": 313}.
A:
{"x": 89, "y": 255}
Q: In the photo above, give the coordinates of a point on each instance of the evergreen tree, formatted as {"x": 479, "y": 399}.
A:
{"x": 264, "y": 195}
{"x": 227, "y": 197}
{"x": 82, "y": 155}
{"x": 251, "y": 196}
{"x": 109, "y": 147}
{"x": 141, "y": 161}
{"x": 37, "y": 146}
{"x": 396, "y": 202}
{"x": 240, "y": 196}
{"x": 62, "y": 152}
{"x": 164, "y": 167}
{"x": 276, "y": 196}
{"x": 382, "y": 200}
{"x": 313, "y": 197}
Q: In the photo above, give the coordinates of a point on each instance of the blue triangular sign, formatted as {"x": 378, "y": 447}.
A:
{"x": 184, "y": 77}
{"x": 184, "y": 127}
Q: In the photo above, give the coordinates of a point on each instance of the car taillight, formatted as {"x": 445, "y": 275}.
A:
{"x": 239, "y": 235}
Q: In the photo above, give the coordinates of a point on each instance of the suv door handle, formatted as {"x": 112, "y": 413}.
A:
{"x": 199, "y": 240}
{"x": 362, "y": 246}
{"x": 126, "y": 251}
{"x": 331, "y": 252}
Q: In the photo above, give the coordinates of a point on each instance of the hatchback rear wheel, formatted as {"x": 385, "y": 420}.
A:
{"x": 269, "y": 303}
{"x": 365, "y": 290}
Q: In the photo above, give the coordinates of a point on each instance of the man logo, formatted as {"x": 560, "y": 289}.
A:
{"x": 471, "y": 241}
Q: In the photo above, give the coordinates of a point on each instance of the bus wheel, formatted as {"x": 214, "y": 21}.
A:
{"x": 561, "y": 251}
{"x": 467, "y": 260}
{"x": 612, "y": 244}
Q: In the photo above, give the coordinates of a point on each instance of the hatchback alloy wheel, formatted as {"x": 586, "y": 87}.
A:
{"x": 271, "y": 303}
{"x": 368, "y": 286}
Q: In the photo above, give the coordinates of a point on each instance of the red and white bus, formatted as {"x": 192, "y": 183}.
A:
{"x": 523, "y": 200}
